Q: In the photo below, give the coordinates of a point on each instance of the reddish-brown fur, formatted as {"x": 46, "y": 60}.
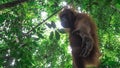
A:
{"x": 87, "y": 29}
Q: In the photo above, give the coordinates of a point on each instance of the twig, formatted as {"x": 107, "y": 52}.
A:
{"x": 114, "y": 8}
{"x": 44, "y": 20}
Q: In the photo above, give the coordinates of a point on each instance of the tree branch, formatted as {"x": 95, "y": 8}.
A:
{"x": 47, "y": 18}
{"x": 11, "y": 4}
{"x": 115, "y": 8}
{"x": 44, "y": 20}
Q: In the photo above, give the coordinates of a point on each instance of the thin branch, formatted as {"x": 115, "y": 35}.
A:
{"x": 114, "y": 8}
{"x": 44, "y": 20}
{"x": 41, "y": 23}
{"x": 47, "y": 18}
{"x": 11, "y": 4}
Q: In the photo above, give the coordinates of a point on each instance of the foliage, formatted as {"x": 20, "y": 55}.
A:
{"x": 27, "y": 40}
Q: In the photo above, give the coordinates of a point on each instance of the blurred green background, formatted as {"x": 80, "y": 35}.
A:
{"x": 31, "y": 35}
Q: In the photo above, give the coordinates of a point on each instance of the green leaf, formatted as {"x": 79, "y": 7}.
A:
{"x": 51, "y": 35}
{"x": 57, "y": 35}
{"x": 61, "y": 30}
{"x": 53, "y": 24}
{"x": 41, "y": 36}
{"x": 49, "y": 25}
